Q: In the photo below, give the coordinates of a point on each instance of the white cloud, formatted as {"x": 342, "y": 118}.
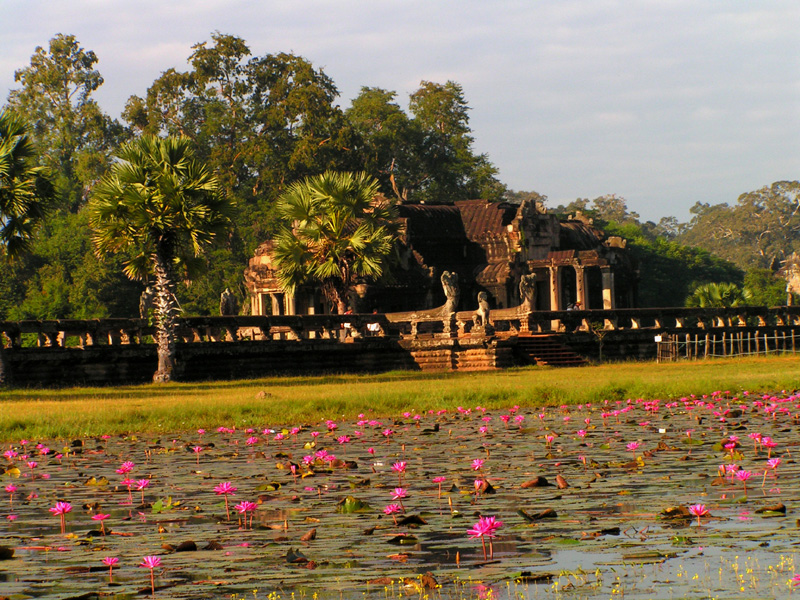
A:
{"x": 665, "y": 103}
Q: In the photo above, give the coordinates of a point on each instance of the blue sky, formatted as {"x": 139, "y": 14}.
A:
{"x": 665, "y": 103}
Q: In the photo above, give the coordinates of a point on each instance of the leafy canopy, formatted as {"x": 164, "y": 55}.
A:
{"x": 157, "y": 199}
{"x": 24, "y": 190}
{"x": 336, "y": 230}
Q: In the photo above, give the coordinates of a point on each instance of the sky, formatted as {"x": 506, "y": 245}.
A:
{"x": 663, "y": 102}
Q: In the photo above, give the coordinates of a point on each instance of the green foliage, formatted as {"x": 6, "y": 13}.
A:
{"x": 670, "y": 271}
{"x": 157, "y": 200}
{"x": 74, "y": 137}
{"x": 762, "y": 228}
{"x": 719, "y": 295}
{"x": 24, "y": 189}
{"x": 766, "y": 287}
{"x": 336, "y": 230}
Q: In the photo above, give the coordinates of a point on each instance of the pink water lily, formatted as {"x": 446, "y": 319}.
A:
{"x": 698, "y": 510}
{"x": 400, "y": 468}
{"x": 226, "y": 489}
{"x": 61, "y": 509}
{"x": 110, "y": 562}
{"x": 151, "y": 562}
{"x": 486, "y": 527}
{"x": 392, "y": 509}
{"x": 101, "y": 517}
{"x": 245, "y": 507}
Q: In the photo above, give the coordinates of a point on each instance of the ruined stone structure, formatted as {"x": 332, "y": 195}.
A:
{"x": 490, "y": 246}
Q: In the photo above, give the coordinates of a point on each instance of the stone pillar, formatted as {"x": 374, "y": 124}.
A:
{"x": 291, "y": 304}
{"x": 608, "y": 288}
{"x": 555, "y": 295}
{"x": 555, "y": 288}
{"x": 580, "y": 287}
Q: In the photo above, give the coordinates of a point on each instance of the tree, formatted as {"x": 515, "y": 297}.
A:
{"x": 719, "y": 295}
{"x": 161, "y": 207}
{"x": 451, "y": 171}
{"x": 24, "y": 189}
{"x": 761, "y": 228}
{"x": 74, "y": 136}
{"x": 336, "y": 231}
{"x": 24, "y": 194}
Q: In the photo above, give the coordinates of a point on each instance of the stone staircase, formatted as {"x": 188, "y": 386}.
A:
{"x": 547, "y": 350}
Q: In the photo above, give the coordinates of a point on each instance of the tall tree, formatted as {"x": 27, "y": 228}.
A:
{"x": 452, "y": 170}
{"x": 760, "y": 230}
{"x": 161, "y": 207}
{"x": 75, "y": 138}
{"x": 259, "y": 122}
{"x": 336, "y": 231}
{"x": 24, "y": 194}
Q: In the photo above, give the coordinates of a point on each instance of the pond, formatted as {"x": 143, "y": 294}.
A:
{"x": 693, "y": 497}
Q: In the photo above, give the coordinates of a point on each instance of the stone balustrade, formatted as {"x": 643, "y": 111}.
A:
{"x": 345, "y": 328}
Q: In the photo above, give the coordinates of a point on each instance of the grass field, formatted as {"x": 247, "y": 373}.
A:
{"x": 151, "y": 409}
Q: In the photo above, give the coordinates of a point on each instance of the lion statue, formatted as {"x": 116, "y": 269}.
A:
{"x": 481, "y": 316}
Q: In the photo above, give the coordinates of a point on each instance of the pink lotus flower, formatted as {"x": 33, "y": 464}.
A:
{"x": 477, "y": 464}
{"x": 226, "y": 489}
{"x": 11, "y": 488}
{"x": 245, "y": 507}
{"x": 398, "y": 494}
{"x": 61, "y": 509}
{"x": 486, "y": 527}
{"x": 698, "y": 510}
{"x": 151, "y": 562}
{"x": 141, "y": 484}
{"x": 439, "y": 480}
{"x": 392, "y": 509}
{"x": 101, "y": 517}
{"x": 110, "y": 562}
{"x": 126, "y": 467}
{"x": 400, "y": 468}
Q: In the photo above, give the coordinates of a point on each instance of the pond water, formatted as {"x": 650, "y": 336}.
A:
{"x": 619, "y": 526}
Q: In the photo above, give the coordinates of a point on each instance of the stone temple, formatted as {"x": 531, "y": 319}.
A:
{"x": 490, "y": 246}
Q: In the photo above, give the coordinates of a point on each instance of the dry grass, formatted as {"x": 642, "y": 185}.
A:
{"x": 146, "y": 409}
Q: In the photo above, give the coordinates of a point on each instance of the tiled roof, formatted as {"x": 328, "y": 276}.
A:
{"x": 486, "y": 220}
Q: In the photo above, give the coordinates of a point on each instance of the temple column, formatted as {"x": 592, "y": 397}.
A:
{"x": 555, "y": 288}
{"x": 580, "y": 286}
{"x": 555, "y": 295}
{"x": 608, "y": 288}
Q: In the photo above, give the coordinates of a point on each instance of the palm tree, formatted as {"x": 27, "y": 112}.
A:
{"x": 161, "y": 207}
{"x": 336, "y": 231}
{"x": 719, "y": 295}
{"x": 24, "y": 193}
{"x": 24, "y": 190}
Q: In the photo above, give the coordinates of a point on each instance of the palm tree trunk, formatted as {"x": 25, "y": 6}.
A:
{"x": 166, "y": 310}
{"x": 5, "y": 367}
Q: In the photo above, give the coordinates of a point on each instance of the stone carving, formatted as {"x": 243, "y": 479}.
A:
{"x": 481, "y": 316}
{"x": 791, "y": 272}
{"x": 228, "y": 306}
{"x": 146, "y": 301}
{"x": 446, "y": 312}
{"x": 451, "y": 292}
{"x": 527, "y": 292}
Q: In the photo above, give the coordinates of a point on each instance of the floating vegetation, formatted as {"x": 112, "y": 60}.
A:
{"x": 623, "y": 498}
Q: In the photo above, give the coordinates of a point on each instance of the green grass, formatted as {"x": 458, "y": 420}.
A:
{"x": 151, "y": 409}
